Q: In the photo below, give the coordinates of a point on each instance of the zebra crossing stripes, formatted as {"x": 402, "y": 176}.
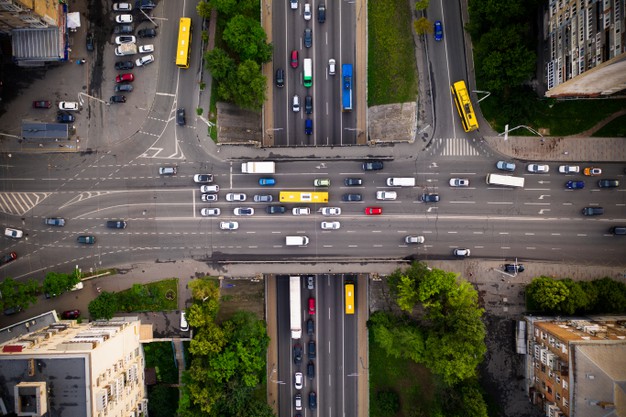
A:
{"x": 20, "y": 203}
{"x": 454, "y": 147}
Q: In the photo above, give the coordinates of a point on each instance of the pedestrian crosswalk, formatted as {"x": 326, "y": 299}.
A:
{"x": 20, "y": 203}
{"x": 455, "y": 147}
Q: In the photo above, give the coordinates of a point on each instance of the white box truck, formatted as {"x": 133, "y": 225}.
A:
{"x": 401, "y": 182}
{"x": 295, "y": 309}
{"x": 296, "y": 240}
{"x": 258, "y": 167}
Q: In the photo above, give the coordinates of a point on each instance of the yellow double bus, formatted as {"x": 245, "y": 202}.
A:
{"x": 184, "y": 43}
{"x": 464, "y": 106}
{"x": 310, "y": 197}
{"x": 349, "y": 290}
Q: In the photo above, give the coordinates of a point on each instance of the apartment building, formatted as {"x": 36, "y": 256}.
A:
{"x": 54, "y": 367}
{"x": 586, "y": 43}
{"x": 576, "y": 367}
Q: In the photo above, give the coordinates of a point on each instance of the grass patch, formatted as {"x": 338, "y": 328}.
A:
{"x": 614, "y": 129}
{"x": 413, "y": 383}
{"x": 392, "y": 73}
{"x": 160, "y": 355}
{"x": 156, "y": 296}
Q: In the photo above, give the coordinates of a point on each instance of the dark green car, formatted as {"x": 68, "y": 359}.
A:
{"x": 86, "y": 239}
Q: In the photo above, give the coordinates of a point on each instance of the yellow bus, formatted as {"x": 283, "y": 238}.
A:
{"x": 311, "y": 197}
{"x": 184, "y": 43}
{"x": 464, "y": 106}
{"x": 349, "y": 289}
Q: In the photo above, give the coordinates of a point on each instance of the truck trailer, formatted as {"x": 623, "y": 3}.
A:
{"x": 258, "y": 167}
{"x": 294, "y": 305}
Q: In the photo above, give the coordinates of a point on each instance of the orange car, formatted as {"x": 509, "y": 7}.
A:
{"x": 592, "y": 172}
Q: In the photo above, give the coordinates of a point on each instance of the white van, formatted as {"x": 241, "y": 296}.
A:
{"x": 78, "y": 286}
{"x": 386, "y": 195}
{"x": 401, "y": 182}
{"x": 296, "y": 240}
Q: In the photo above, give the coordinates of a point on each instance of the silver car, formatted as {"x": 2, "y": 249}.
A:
{"x": 461, "y": 252}
{"x": 331, "y": 211}
{"x": 330, "y": 225}
{"x": 538, "y": 168}
{"x": 414, "y": 239}
{"x": 210, "y": 212}
{"x": 209, "y": 197}
{"x": 263, "y": 198}
{"x": 236, "y": 197}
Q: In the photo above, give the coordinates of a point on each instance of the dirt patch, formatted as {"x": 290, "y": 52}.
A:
{"x": 242, "y": 294}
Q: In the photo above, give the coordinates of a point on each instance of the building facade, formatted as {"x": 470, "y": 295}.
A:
{"x": 576, "y": 367}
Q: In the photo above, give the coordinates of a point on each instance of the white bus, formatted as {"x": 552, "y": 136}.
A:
{"x": 308, "y": 72}
{"x": 505, "y": 180}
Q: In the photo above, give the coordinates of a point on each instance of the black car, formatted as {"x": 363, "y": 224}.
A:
{"x": 308, "y": 104}
{"x": 147, "y": 33}
{"x": 116, "y": 224}
{"x": 297, "y": 353}
{"x": 352, "y": 197}
{"x": 12, "y": 310}
{"x": 311, "y": 349}
{"x": 308, "y": 37}
{"x": 123, "y": 88}
{"x": 430, "y": 198}
{"x": 180, "y": 117}
{"x": 275, "y": 209}
{"x": 118, "y": 99}
{"x": 513, "y": 268}
{"x": 372, "y": 165}
{"x": 145, "y": 4}
{"x": 618, "y": 230}
{"x": 86, "y": 239}
{"x": 321, "y": 13}
{"x": 593, "y": 211}
{"x": 310, "y": 370}
{"x": 608, "y": 183}
{"x": 353, "y": 182}
{"x": 124, "y": 65}
{"x": 63, "y": 117}
{"x": 312, "y": 400}
{"x": 280, "y": 77}
{"x": 123, "y": 29}
{"x": 90, "y": 45}
{"x": 310, "y": 326}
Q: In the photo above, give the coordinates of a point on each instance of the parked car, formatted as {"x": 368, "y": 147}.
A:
{"x": 569, "y": 169}
{"x": 147, "y": 33}
{"x": 202, "y": 178}
{"x": 294, "y": 59}
{"x": 68, "y": 105}
{"x": 184, "y": 325}
{"x": 120, "y": 40}
{"x": 123, "y": 29}
{"x": 168, "y": 170}
{"x": 124, "y": 18}
{"x": 54, "y": 221}
{"x": 592, "y": 172}
{"x": 41, "y": 104}
{"x": 13, "y": 233}
{"x": 86, "y": 239}
{"x": 461, "y": 252}
{"x": 126, "y": 88}
{"x": 9, "y": 257}
{"x": 608, "y": 183}
{"x": 459, "y": 182}
{"x": 145, "y": 4}
{"x": 229, "y": 225}
{"x": 89, "y": 42}
{"x": 373, "y": 211}
{"x": 146, "y": 49}
{"x": 514, "y": 268}
{"x": 118, "y": 99}
{"x": 236, "y": 197}
{"x": 124, "y": 65}
{"x": 351, "y": 197}
{"x": 593, "y": 211}
{"x": 243, "y": 211}
{"x": 180, "y": 117}
{"x": 122, "y": 7}
{"x": 9, "y": 311}
{"x": 63, "y": 117}
{"x": 205, "y": 212}
{"x": 438, "y": 30}
{"x": 127, "y": 77}
{"x": 538, "y": 168}
{"x": 505, "y": 166}
{"x": 70, "y": 314}
{"x": 209, "y": 197}
{"x": 116, "y": 224}
{"x": 144, "y": 60}
{"x": 575, "y": 185}
{"x": 280, "y": 77}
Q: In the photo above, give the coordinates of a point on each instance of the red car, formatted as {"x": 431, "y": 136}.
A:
{"x": 311, "y": 305}
{"x": 70, "y": 314}
{"x": 128, "y": 77}
{"x": 294, "y": 59}
{"x": 373, "y": 210}
{"x": 41, "y": 104}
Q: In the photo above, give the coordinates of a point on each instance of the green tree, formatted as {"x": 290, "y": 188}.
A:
{"x": 227, "y": 8}
{"x": 204, "y": 9}
{"x": 576, "y": 301}
{"x": 18, "y": 294}
{"x": 611, "y": 296}
{"x": 57, "y": 282}
{"x": 246, "y": 37}
{"x": 421, "y": 5}
{"x": 386, "y": 403}
{"x": 248, "y": 91}
{"x": 546, "y": 294}
{"x": 207, "y": 291}
{"x": 423, "y": 26}
{"x": 220, "y": 64}
{"x": 104, "y": 306}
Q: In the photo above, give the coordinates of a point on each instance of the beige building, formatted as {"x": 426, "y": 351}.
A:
{"x": 586, "y": 42}
{"x": 63, "y": 368}
{"x": 576, "y": 367}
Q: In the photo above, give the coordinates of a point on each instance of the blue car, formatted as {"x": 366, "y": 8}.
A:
{"x": 438, "y": 30}
{"x": 308, "y": 127}
{"x": 267, "y": 181}
{"x": 575, "y": 185}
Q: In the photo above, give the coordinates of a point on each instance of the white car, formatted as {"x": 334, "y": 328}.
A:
{"x": 209, "y": 188}
{"x": 298, "y": 380}
{"x": 414, "y": 239}
{"x": 386, "y": 195}
{"x": 184, "y": 326}
{"x": 307, "y": 11}
{"x": 331, "y": 225}
{"x": 236, "y": 197}
{"x": 122, "y": 7}
{"x": 295, "y": 104}
{"x": 243, "y": 211}
{"x": 13, "y": 233}
{"x": 210, "y": 212}
{"x": 209, "y": 197}
{"x": 331, "y": 211}
{"x": 124, "y": 18}
{"x": 463, "y": 253}
{"x": 331, "y": 66}
{"x": 569, "y": 169}
{"x": 301, "y": 211}
{"x": 459, "y": 182}
{"x": 68, "y": 105}
{"x": 120, "y": 40}
{"x": 538, "y": 168}
{"x": 144, "y": 60}
{"x": 293, "y": 4}
{"x": 229, "y": 225}
{"x": 146, "y": 49}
